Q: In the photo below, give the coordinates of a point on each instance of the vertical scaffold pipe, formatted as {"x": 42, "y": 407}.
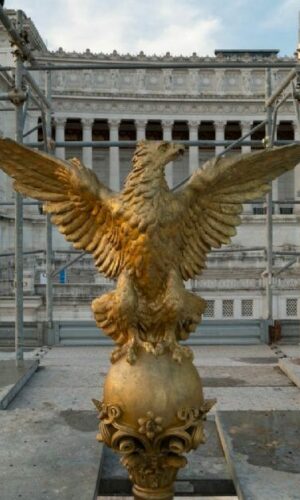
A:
{"x": 19, "y": 327}
{"x": 49, "y": 289}
{"x": 269, "y": 216}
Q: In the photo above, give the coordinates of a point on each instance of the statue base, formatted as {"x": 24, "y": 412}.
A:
{"x": 152, "y": 414}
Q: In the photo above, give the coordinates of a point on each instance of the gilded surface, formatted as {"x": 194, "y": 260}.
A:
{"x": 152, "y": 443}
{"x": 150, "y": 240}
{"x": 147, "y": 238}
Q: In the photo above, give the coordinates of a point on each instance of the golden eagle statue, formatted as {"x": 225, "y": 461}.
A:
{"x": 147, "y": 237}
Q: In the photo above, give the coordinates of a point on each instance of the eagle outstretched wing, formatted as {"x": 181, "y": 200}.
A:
{"x": 80, "y": 205}
{"x": 211, "y": 202}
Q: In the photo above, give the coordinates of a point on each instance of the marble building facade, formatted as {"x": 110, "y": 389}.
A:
{"x": 208, "y": 103}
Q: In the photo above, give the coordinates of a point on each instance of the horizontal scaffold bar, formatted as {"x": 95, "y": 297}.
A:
{"x": 162, "y": 65}
{"x": 131, "y": 144}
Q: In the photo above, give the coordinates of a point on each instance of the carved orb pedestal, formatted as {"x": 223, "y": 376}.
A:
{"x": 152, "y": 414}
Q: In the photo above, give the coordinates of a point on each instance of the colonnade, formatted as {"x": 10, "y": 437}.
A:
{"x": 167, "y": 125}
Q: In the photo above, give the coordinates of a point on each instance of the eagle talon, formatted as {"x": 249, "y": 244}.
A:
{"x": 117, "y": 354}
{"x": 131, "y": 355}
{"x": 180, "y": 352}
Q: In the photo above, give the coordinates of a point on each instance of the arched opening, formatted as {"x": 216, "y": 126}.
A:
{"x": 232, "y": 133}
{"x": 180, "y": 132}
{"x": 73, "y": 132}
{"x": 154, "y": 130}
{"x": 206, "y": 132}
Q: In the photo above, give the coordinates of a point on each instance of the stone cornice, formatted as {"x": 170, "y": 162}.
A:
{"x": 189, "y": 108}
{"x": 258, "y": 56}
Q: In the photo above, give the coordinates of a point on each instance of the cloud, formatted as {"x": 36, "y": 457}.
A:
{"x": 176, "y": 26}
{"x": 160, "y": 26}
{"x": 178, "y": 39}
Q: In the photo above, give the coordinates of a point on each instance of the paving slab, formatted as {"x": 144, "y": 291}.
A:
{"x": 243, "y": 376}
{"x": 233, "y": 355}
{"x": 49, "y": 455}
{"x": 205, "y": 474}
{"x": 56, "y": 398}
{"x": 291, "y": 367}
{"x": 67, "y": 378}
{"x": 78, "y": 355}
{"x": 254, "y": 398}
{"x": 262, "y": 450}
{"x": 13, "y": 376}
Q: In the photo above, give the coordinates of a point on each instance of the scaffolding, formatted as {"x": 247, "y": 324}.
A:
{"x": 25, "y": 63}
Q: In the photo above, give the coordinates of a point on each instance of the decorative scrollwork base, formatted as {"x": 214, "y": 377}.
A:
{"x": 152, "y": 442}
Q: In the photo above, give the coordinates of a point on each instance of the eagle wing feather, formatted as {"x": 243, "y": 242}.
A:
{"x": 210, "y": 205}
{"x": 79, "y": 204}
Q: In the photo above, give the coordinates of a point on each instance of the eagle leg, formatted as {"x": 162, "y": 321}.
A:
{"x": 130, "y": 349}
{"x": 178, "y": 351}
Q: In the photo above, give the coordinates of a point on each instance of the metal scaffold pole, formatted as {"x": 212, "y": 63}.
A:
{"x": 49, "y": 290}
{"x": 269, "y": 216}
{"x": 19, "y": 329}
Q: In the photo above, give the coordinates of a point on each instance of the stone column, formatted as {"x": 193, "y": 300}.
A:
{"x": 219, "y": 128}
{"x": 193, "y": 150}
{"x": 246, "y": 126}
{"x": 60, "y": 136}
{"x": 87, "y": 152}
{"x": 140, "y": 129}
{"x": 167, "y": 136}
{"x": 297, "y": 171}
{"x": 114, "y": 156}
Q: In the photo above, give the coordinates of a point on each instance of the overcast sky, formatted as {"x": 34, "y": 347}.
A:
{"x": 160, "y": 26}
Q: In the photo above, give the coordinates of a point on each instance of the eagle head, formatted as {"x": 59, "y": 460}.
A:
{"x": 156, "y": 154}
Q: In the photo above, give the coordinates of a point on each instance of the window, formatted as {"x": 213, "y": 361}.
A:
{"x": 286, "y": 210}
{"x": 227, "y": 308}
{"x": 291, "y": 307}
{"x": 210, "y": 309}
{"x": 259, "y": 210}
{"x": 247, "y": 307}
